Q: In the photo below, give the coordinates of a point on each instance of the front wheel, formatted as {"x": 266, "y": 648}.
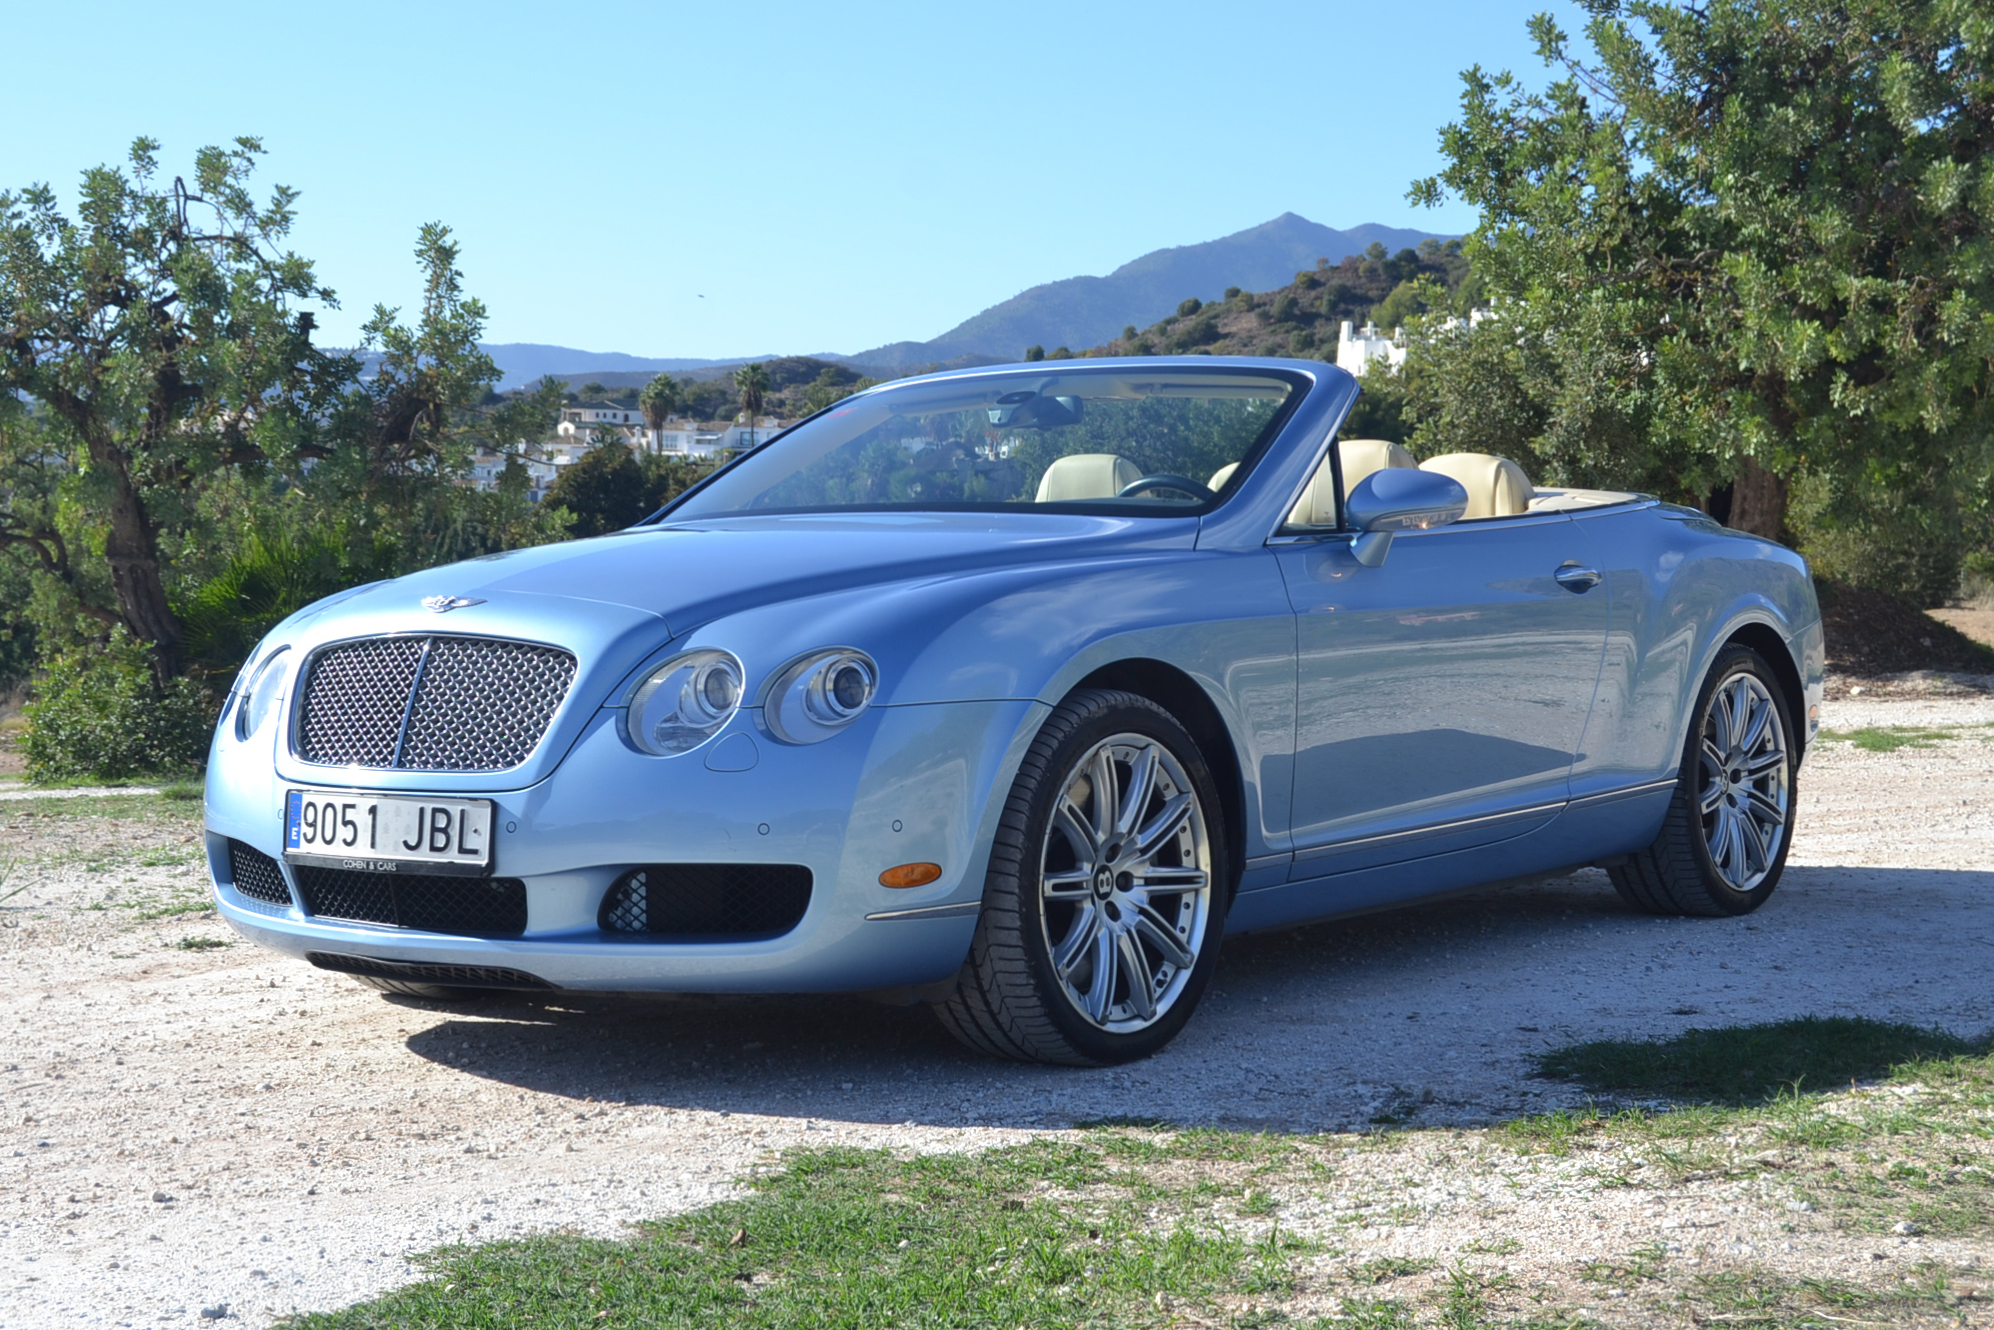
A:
{"x": 1724, "y": 842}
{"x": 1106, "y": 892}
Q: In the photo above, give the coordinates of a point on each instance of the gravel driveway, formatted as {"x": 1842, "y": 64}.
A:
{"x": 188, "y": 1128}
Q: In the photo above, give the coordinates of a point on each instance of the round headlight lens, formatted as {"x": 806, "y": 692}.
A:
{"x": 684, "y": 702}
{"x": 263, "y": 693}
{"x": 820, "y": 695}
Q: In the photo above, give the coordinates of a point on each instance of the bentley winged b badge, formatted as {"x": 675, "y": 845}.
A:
{"x": 445, "y": 604}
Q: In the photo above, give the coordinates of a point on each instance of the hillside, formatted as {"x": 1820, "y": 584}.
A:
{"x": 1086, "y": 311}
{"x": 1300, "y": 317}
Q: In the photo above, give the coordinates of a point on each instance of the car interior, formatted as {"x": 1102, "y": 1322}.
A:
{"x": 1497, "y": 486}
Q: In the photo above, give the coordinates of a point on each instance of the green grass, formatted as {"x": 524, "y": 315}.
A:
{"x": 1050, "y": 1233}
{"x": 1890, "y": 738}
{"x": 202, "y": 943}
{"x": 1752, "y": 1064}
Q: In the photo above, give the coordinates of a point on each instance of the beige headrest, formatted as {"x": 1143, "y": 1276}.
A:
{"x": 1086, "y": 476}
{"x": 1496, "y": 486}
{"x": 1360, "y": 457}
{"x": 1221, "y": 476}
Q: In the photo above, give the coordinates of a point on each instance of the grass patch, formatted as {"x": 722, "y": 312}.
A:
{"x": 183, "y": 790}
{"x": 1049, "y": 1233}
{"x": 1753, "y": 1064}
{"x": 202, "y": 943}
{"x": 1890, "y": 738}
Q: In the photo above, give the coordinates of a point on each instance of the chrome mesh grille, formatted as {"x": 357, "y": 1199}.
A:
{"x": 355, "y": 700}
{"x": 430, "y": 703}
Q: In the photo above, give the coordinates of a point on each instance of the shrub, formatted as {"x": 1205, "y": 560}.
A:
{"x": 101, "y": 715}
{"x": 1188, "y": 306}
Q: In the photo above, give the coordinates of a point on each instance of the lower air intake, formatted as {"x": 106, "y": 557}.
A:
{"x": 256, "y": 875}
{"x": 712, "y": 902}
{"x": 461, "y": 976}
{"x": 466, "y": 906}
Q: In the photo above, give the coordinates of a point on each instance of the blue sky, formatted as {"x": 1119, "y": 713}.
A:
{"x": 718, "y": 180}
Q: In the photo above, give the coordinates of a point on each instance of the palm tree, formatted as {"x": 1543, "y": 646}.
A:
{"x": 658, "y": 400}
{"x": 752, "y": 382}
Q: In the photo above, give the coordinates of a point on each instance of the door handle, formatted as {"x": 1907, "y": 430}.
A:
{"x": 1576, "y": 577}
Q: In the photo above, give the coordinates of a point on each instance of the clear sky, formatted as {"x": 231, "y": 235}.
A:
{"x": 734, "y": 179}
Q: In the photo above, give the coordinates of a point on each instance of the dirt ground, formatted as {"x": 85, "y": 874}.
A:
{"x": 1976, "y": 624}
{"x": 194, "y": 1128}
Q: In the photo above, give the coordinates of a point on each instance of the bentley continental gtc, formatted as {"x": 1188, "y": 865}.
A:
{"x": 1013, "y": 691}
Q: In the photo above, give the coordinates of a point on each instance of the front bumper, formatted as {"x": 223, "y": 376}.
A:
{"x": 906, "y": 784}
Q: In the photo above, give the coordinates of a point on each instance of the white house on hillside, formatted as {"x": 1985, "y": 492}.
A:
{"x": 1356, "y": 350}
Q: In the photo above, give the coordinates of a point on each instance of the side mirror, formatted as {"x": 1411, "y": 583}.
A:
{"x": 1398, "y": 499}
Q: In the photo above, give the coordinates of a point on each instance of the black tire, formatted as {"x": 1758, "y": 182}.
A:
{"x": 433, "y": 992}
{"x": 1680, "y": 874}
{"x": 1010, "y": 1000}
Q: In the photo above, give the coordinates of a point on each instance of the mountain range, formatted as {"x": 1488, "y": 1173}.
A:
{"x": 1076, "y": 312}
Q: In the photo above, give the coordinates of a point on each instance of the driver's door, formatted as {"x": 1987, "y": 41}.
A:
{"x": 1442, "y": 696}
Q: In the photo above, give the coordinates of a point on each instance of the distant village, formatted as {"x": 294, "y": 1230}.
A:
{"x": 583, "y": 425}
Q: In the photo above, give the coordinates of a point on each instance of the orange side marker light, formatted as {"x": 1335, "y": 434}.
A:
{"x": 910, "y": 875}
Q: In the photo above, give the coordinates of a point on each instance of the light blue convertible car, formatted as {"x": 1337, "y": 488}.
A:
{"x": 1012, "y": 690}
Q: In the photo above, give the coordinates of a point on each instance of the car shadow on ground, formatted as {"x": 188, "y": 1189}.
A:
{"x": 1431, "y": 1014}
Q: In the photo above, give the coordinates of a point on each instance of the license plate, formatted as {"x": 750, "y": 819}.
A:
{"x": 386, "y": 833}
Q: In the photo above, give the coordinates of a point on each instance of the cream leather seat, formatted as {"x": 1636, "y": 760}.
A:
{"x": 1360, "y": 457}
{"x": 1086, "y": 476}
{"x": 1496, "y": 486}
{"x": 1221, "y": 476}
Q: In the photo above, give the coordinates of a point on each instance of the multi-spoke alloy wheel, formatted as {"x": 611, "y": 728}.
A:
{"x": 1743, "y": 796}
{"x": 1106, "y": 893}
{"x": 1126, "y": 885}
{"x": 1723, "y": 842}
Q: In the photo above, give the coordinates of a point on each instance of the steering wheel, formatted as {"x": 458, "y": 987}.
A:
{"x": 1163, "y": 480}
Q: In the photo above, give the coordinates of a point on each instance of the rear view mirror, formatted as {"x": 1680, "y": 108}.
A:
{"x": 1029, "y": 411}
{"x": 1400, "y": 499}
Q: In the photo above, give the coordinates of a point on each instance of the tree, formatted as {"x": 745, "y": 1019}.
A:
{"x": 658, "y": 401}
{"x": 1762, "y": 227}
{"x": 146, "y": 342}
{"x": 752, "y": 382}
{"x": 604, "y": 488}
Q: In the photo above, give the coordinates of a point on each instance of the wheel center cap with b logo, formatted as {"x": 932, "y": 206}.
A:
{"x": 1104, "y": 883}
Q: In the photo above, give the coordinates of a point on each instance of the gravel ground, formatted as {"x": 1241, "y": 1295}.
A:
{"x": 192, "y": 1130}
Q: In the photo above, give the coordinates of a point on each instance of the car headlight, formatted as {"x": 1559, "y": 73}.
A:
{"x": 260, "y": 698}
{"x": 820, "y": 695}
{"x": 684, "y": 702}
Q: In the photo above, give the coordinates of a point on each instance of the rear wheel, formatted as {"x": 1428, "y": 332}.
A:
{"x": 1723, "y": 844}
{"x": 1106, "y": 892}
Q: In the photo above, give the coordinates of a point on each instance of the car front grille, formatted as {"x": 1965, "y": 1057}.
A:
{"x": 707, "y": 901}
{"x": 430, "y": 703}
{"x": 431, "y": 902}
{"x": 463, "y": 976}
{"x": 256, "y": 874}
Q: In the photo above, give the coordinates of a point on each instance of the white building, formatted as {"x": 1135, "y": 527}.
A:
{"x": 1356, "y": 350}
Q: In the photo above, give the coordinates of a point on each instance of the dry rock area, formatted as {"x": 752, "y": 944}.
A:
{"x": 191, "y": 1130}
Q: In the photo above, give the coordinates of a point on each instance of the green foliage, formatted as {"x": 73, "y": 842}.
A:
{"x": 1191, "y": 305}
{"x": 150, "y": 339}
{"x": 265, "y": 581}
{"x": 604, "y": 488}
{"x": 1034, "y": 353}
{"x": 1749, "y": 240}
{"x": 102, "y": 714}
{"x": 658, "y": 400}
{"x": 752, "y": 383}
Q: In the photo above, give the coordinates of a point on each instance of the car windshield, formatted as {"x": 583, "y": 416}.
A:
{"x": 1119, "y": 439}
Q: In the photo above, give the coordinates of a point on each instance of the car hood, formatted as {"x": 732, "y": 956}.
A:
{"x": 690, "y": 574}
